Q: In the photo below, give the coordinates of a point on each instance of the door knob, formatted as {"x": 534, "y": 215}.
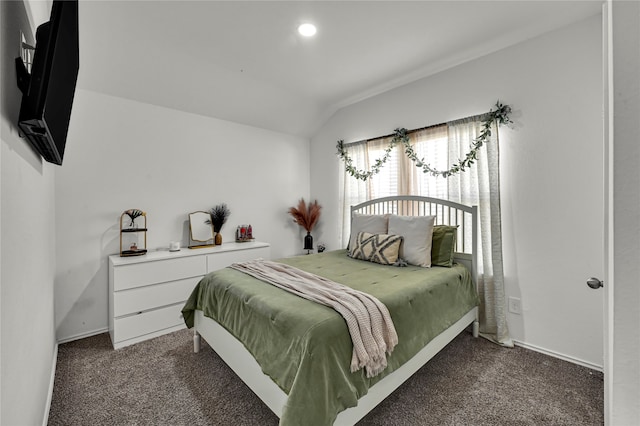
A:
{"x": 594, "y": 283}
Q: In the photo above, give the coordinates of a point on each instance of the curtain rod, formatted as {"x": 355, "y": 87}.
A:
{"x": 478, "y": 116}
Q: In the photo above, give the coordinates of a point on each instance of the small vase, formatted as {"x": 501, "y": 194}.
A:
{"x": 308, "y": 241}
{"x": 218, "y": 239}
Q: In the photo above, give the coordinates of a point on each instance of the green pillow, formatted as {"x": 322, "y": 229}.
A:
{"x": 443, "y": 245}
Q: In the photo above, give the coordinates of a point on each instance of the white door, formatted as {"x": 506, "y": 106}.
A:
{"x": 608, "y": 209}
{"x": 621, "y": 36}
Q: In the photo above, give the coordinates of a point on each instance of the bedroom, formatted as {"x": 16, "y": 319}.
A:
{"x": 72, "y": 211}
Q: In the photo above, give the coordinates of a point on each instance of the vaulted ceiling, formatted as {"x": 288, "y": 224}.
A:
{"x": 244, "y": 61}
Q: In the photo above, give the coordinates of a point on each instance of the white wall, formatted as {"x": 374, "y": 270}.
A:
{"x": 551, "y": 173}
{"x": 123, "y": 154}
{"x": 27, "y": 257}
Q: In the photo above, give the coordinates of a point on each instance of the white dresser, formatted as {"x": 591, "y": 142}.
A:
{"x": 147, "y": 293}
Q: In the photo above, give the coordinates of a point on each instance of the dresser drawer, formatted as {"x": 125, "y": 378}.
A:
{"x": 141, "y": 274}
{"x": 147, "y": 322}
{"x": 222, "y": 260}
{"x": 144, "y": 298}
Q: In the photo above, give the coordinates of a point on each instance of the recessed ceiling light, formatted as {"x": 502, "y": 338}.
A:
{"x": 307, "y": 30}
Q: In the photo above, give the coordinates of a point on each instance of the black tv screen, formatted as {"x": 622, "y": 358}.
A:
{"x": 48, "y": 92}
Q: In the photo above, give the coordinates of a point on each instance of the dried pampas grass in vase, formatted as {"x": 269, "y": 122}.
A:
{"x": 218, "y": 217}
{"x": 306, "y": 216}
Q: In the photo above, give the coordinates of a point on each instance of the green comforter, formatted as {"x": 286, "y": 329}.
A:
{"x": 305, "y": 347}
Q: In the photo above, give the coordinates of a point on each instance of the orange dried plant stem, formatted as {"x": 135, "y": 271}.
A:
{"x": 306, "y": 216}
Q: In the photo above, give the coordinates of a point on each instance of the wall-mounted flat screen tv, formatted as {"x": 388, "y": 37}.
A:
{"x": 47, "y": 92}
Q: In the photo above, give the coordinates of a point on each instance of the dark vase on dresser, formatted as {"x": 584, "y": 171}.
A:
{"x": 308, "y": 242}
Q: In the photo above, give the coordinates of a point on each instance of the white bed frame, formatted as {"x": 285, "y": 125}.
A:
{"x": 246, "y": 367}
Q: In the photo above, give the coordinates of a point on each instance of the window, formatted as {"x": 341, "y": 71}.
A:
{"x": 399, "y": 175}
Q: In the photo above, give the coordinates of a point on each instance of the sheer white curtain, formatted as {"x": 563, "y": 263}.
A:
{"x": 432, "y": 145}
{"x": 480, "y": 185}
{"x": 383, "y": 184}
{"x": 442, "y": 146}
{"x": 354, "y": 191}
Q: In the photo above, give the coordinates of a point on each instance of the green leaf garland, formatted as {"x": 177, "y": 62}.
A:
{"x": 499, "y": 116}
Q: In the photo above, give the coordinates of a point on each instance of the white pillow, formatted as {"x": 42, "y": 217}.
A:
{"x": 417, "y": 232}
{"x": 371, "y": 223}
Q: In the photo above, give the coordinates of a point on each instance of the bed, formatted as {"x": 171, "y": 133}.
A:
{"x": 294, "y": 353}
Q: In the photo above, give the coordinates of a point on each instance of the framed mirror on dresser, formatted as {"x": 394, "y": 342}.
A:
{"x": 200, "y": 230}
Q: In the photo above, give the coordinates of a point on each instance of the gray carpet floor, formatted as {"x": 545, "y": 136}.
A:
{"x": 470, "y": 382}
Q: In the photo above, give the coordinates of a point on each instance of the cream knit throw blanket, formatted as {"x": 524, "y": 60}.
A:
{"x": 369, "y": 322}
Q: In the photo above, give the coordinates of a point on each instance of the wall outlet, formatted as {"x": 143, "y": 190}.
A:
{"x": 514, "y": 306}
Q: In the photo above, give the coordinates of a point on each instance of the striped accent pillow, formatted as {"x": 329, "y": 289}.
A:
{"x": 379, "y": 248}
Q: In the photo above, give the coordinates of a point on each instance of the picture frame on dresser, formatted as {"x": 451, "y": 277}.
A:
{"x": 147, "y": 293}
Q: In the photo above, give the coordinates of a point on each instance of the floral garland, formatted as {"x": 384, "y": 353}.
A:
{"x": 399, "y": 135}
{"x": 500, "y": 116}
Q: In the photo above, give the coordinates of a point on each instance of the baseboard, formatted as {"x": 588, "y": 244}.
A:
{"x": 559, "y": 356}
{"x": 83, "y": 335}
{"x": 52, "y": 380}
